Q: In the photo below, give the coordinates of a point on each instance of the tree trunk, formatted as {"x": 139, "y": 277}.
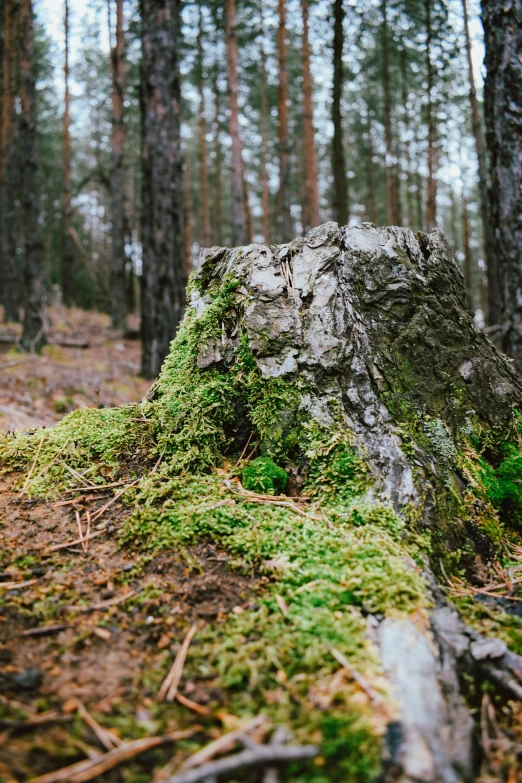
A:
{"x": 340, "y": 185}
{"x": 265, "y": 126}
{"x": 68, "y": 287}
{"x": 393, "y": 200}
{"x": 367, "y": 331}
{"x": 118, "y": 175}
{"x": 217, "y": 201}
{"x": 2, "y": 254}
{"x": 284, "y": 216}
{"x": 238, "y": 191}
{"x": 503, "y": 107}
{"x": 431, "y": 201}
{"x": 187, "y": 213}
{"x": 11, "y": 272}
{"x": 490, "y": 255}
{"x": 311, "y": 191}
{"x": 203, "y": 165}
{"x": 163, "y": 276}
{"x": 372, "y": 210}
{"x": 33, "y": 336}
{"x": 407, "y": 154}
{"x": 468, "y": 257}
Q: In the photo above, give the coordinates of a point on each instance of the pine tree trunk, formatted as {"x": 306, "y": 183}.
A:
{"x": 340, "y": 186}
{"x": 393, "y": 200}
{"x": 203, "y": 164}
{"x": 238, "y": 191}
{"x": 311, "y": 191}
{"x": 407, "y": 154}
{"x": 265, "y": 193}
{"x": 187, "y": 213}
{"x": 284, "y": 217}
{"x": 163, "y": 276}
{"x": 468, "y": 257}
{"x": 489, "y": 253}
{"x": 118, "y": 176}
{"x": 12, "y": 279}
{"x": 431, "y": 200}
{"x": 33, "y": 336}
{"x": 68, "y": 288}
{"x": 372, "y": 210}
{"x": 217, "y": 201}
{"x": 503, "y": 108}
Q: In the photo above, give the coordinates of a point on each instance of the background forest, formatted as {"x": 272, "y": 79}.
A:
{"x": 293, "y": 112}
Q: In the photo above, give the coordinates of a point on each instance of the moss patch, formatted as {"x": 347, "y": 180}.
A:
{"x": 263, "y": 475}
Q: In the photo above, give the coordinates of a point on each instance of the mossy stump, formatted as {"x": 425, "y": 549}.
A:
{"x": 343, "y": 370}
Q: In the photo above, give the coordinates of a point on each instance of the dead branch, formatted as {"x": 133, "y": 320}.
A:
{"x": 225, "y": 743}
{"x": 171, "y": 682}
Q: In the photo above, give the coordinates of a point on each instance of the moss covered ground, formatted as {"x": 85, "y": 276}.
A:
{"x": 211, "y": 450}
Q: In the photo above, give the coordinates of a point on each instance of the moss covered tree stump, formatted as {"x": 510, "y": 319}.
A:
{"x": 346, "y": 366}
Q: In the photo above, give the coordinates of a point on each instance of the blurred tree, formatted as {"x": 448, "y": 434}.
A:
{"x": 503, "y": 112}
{"x": 162, "y": 227}
{"x": 68, "y": 272}
{"x": 284, "y": 216}
{"x": 33, "y": 336}
{"x": 311, "y": 192}
{"x": 240, "y": 230}
{"x": 340, "y": 206}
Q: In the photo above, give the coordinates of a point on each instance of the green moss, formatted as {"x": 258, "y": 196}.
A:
{"x": 503, "y": 483}
{"x": 263, "y": 475}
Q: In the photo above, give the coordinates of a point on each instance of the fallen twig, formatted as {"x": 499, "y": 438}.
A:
{"x": 86, "y": 539}
{"x": 244, "y": 450}
{"x": 118, "y": 494}
{"x": 46, "y": 467}
{"x": 97, "y": 487}
{"x": 354, "y": 674}
{"x": 44, "y": 630}
{"x": 252, "y": 757}
{"x": 103, "y": 604}
{"x": 33, "y": 465}
{"x": 108, "y": 740}
{"x": 192, "y": 705}
{"x": 91, "y": 768}
{"x": 35, "y": 720}
{"x": 17, "y": 585}
{"x": 171, "y": 682}
{"x": 223, "y": 744}
{"x": 80, "y": 531}
{"x": 68, "y": 544}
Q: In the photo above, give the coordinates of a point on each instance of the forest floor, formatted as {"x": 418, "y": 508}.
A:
{"x": 87, "y": 629}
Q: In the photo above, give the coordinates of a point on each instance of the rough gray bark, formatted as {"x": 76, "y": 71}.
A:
{"x": 163, "y": 276}
{"x": 503, "y": 111}
{"x": 375, "y": 322}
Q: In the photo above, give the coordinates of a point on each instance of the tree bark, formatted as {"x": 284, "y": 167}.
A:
{"x": 503, "y": 109}
{"x": 340, "y": 206}
{"x": 431, "y": 200}
{"x": 284, "y": 217}
{"x": 480, "y": 147}
{"x": 393, "y": 200}
{"x": 265, "y": 125}
{"x": 118, "y": 175}
{"x": 8, "y": 234}
{"x": 238, "y": 190}
{"x": 33, "y": 336}
{"x": 370, "y": 327}
{"x": 203, "y": 163}
{"x": 217, "y": 201}
{"x": 68, "y": 287}
{"x": 468, "y": 257}
{"x": 311, "y": 190}
{"x": 163, "y": 276}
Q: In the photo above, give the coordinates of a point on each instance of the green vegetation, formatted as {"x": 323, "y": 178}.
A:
{"x": 263, "y": 475}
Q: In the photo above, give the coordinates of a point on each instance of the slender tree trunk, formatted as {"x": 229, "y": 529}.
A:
{"x": 238, "y": 190}
{"x": 248, "y": 211}
{"x": 187, "y": 206}
{"x": 217, "y": 227}
{"x": 407, "y": 153}
{"x": 468, "y": 257}
{"x": 340, "y": 186}
{"x": 203, "y": 164}
{"x": 33, "y": 335}
{"x": 265, "y": 193}
{"x": 163, "y": 278}
{"x": 284, "y": 217}
{"x": 311, "y": 191}
{"x": 371, "y": 204}
{"x": 67, "y": 241}
{"x": 393, "y": 200}
{"x": 490, "y": 255}
{"x": 11, "y": 281}
{"x": 503, "y": 111}
{"x": 118, "y": 172}
{"x": 2, "y": 259}
{"x": 431, "y": 202}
